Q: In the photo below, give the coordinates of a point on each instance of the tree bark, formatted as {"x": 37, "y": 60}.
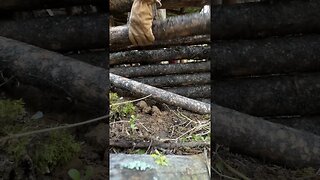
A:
{"x": 179, "y": 52}
{"x": 255, "y": 136}
{"x": 171, "y": 28}
{"x": 159, "y": 94}
{"x": 257, "y": 20}
{"x": 120, "y": 6}
{"x": 18, "y": 5}
{"x": 59, "y": 33}
{"x": 96, "y": 58}
{"x": 199, "y": 91}
{"x": 176, "y": 80}
{"x": 266, "y": 56}
{"x": 81, "y": 82}
{"x": 270, "y": 96}
{"x": 162, "y": 69}
{"x": 181, "y": 41}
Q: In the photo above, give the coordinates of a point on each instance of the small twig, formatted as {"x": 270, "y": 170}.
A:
{"x": 54, "y": 128}
{"x": 116, "y": 104}
{"x": 6, "y": 81}
{"x": 222, "y": 175}
{"x": 234, "y": 171}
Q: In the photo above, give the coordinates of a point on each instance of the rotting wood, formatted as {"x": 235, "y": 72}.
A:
{"x": 120, "y": 6}
{"x": 199, "y": 91}
{"x": 159, "y": 94}
{"x": 81, "y": 82}
{"x": 256, "y": 20}
{"x": 266, "y": 56}
{"x": 185, "y": 167}
{"x": 258, "y": 137}
{"x": 173, "y": 53}
{"x": 176, "y": 80}
{"x": 162, "y": 69}
{"x": 171, "y": 28}
{"x": 270, "y": 96}
{"x": 59, "y": 33}
{"x": 182, "y": 41}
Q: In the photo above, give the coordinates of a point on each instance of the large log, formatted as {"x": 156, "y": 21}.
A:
{"x": 171, "y": 28}
{"x": 162, "y": 69}
{"x": 264, "y": 139}
{"x": 255, "y": 20}
{"x": 160, "y": 95}
{"x": 179, "y": 52}
{"x": 270, "y": 96}
{"x": 181, "y": 41}
{"x": 96, "y": 58}
{"x": 41, "y": 4}
{"x": 176, "y": 80}
{"x": 266, "y": 56}
{"x": 59, "y": 33}
{"x": 120, "y": 6}
{"x": 78, "y": 81}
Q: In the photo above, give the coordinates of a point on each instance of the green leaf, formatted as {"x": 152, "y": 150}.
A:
{"x": 74, "y": 174}
{"x": 88, "y": 173}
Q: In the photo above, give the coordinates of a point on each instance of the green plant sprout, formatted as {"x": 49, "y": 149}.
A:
{"x": 159, "y": 158}
{"x": 132, "y": 122}
{"x": 74, "y": 174}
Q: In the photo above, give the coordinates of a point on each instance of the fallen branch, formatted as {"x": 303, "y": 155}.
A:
{"x": 199, "y": 91}
{"x": 97, "y": 58}
{"x": 162, "y": 69}
{"x": 159, "y": 94}
{"x": 255, "y": 136}
{"x": 171, "y": 28}
{"x": 179, "y": 52}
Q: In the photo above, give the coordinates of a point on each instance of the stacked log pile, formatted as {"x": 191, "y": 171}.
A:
{"x": 36, "y": 39}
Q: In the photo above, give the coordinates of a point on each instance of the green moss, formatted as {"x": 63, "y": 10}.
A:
{"x": 11, "y": 110}
{"x": 59, "y": 148}
{"x": 121, "y": 110}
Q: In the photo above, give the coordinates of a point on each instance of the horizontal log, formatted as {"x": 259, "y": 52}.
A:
{"x": 308, "y": 124}
{"x": 96, "y": 58}
{"x": 59, "y": 33}
{"x": 161, "y": 69}
{"x": 78, "y": 81}
{"x": 270, "y": 96}
{"x": 266, "y": 56}
{"x": 185, "y": 167}
{"x": 18, "y": 5}
{"x": 199, "y": 91}
{"x": 120, "y": 6}
{"x": 256, "y": 20}
{"x": 179, "y": 52}
{"x": 182, "y": 41}
{"x": 171, "y": 28}
{"x": 176, "y": 80}
{"x": 260, "y": 138}
{"x": 160, "y": 95}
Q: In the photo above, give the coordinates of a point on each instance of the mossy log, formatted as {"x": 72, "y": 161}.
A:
{"x": 80, "y": 82}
